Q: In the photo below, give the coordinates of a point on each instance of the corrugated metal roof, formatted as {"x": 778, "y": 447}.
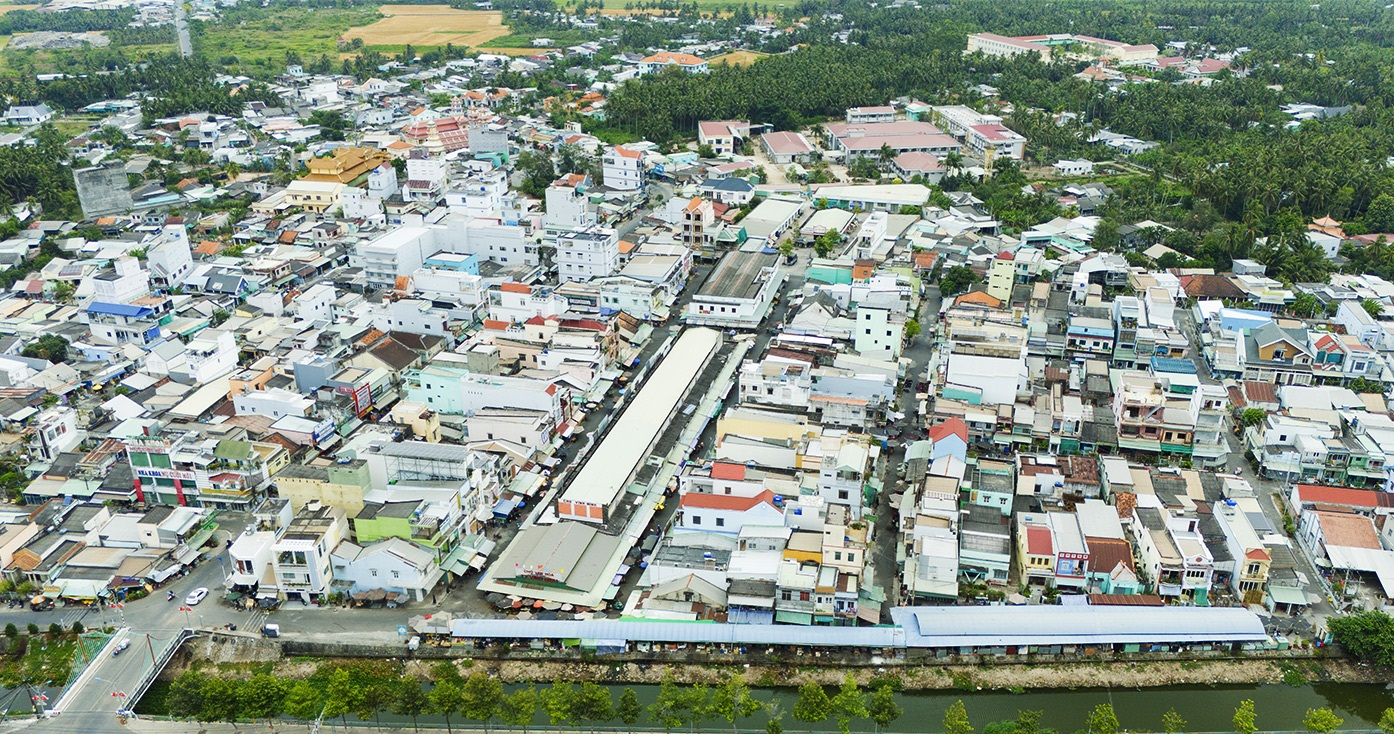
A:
{"x": 1058, "y": 625}
{"x": 118, "y": 309}
{"x": 679, "y": 632}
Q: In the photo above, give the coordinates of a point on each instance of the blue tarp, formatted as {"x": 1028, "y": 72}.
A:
{"x": 503, "y": 508}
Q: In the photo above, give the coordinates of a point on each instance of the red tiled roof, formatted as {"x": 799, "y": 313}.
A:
{"x": 1106, "y": 553}
{"x": 726, "y": 501}
{"x": 1039, "y": 541}
{"x": 1348, "y": 530}
{"x": 1344, "y": 496}
{"x": 1260, "y": 392}
{"x": 1258, "y": 554}
{"x": 979, "y": 297}
{"x": 495, "y": 324}
{"x": 730, "y": 472}
{"x": 951, "y": 427}
{"x": 1125, "y": 600}
{"x": 511, "y": 287}
{"x": 1125, "y": 503}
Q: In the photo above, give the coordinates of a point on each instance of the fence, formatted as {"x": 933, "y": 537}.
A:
{"x": 160, "y": 662}
{"x": 759, "y": 654}
{"x": 90, "y": 644}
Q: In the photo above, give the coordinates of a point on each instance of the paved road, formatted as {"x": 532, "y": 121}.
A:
{"x": 1265, "y": 490}
{"x": 181, "y": 26}
{"x": 918, "y": 351}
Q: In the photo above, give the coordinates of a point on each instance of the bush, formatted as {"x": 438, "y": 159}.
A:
{"x": 78, "y": 628}
{"x": 55, "y": 630}
{"x": 11, "y": 631}
{"x": 33, "y": 628}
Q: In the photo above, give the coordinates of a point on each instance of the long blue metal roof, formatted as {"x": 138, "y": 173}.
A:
{"x": 917, "y": 627}
{"x": 691, "y": 632}
{"x": 948, "y": 627}
{"x": 119, "y": 309}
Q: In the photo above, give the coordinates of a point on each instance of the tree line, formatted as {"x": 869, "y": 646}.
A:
{"x": 367, "y": 689}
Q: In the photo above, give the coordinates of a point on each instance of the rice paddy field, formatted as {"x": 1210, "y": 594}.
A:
{"x": 430, "y": 25}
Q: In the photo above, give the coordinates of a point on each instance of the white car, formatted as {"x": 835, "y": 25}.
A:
{"x": 196, "y": 596}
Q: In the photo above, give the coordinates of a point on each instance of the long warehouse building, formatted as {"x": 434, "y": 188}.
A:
{"x": 594, "y": 492}
{"x": 1001, "y": 630}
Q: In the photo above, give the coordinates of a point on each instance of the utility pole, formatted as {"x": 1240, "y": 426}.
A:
{"x": 150, "y": 647}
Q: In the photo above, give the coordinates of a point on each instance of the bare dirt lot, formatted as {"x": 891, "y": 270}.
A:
{"x": 738, "y": 58}
{"x": 431, "y": 25}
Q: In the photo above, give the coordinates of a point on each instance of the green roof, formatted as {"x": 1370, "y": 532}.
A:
{"x": 233, "y": 450}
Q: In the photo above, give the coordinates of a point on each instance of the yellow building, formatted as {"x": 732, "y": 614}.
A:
{"x": 347, "y": 165}
{"x": 336, "y": 485}
{"x": 424, "y": 422}
{"x": 1001, "y": 276}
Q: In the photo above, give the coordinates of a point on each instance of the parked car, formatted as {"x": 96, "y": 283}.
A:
{"x": 196, "y": 596}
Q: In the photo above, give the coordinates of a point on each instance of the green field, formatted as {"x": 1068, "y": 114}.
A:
{"x": 258, "y": 42}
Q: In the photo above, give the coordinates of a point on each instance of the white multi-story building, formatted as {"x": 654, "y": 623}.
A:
{"x": 623, "y": 168}
{"x": 568, "y": 207}
{"x": 211, "y": 354}
{"x": 425, "y": 177}
{"x": 481, "y": 195}
{"x": 514, "y": 303}
{"x": 316, "y": 303}
{"x": 403, "y": 250}
{"x": 275, "y": 403}
{"x": 776, "y": 381}
{"x": 589, "y": 253}
{"x": 170, "y": 257}
{"x": 300, "y": 557}
{"x": 415, "y": 316}
{"x": 355, "y": 204}
{"x": 990, "y": 142}
{"x": 382, "y": 182}
{"x": 56, "y": 432}
{"x": 125, "y": 282}
{"x": 879, "y": 332}
{"x": 845, "y": 467}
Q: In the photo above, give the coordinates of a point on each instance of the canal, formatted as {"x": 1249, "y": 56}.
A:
{"x": 1205, "y": 708}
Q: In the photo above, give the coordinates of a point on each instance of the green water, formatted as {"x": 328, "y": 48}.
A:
{"x": 1205, "y": 708}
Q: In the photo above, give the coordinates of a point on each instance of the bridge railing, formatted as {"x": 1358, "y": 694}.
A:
{"x": 161, "y": 661}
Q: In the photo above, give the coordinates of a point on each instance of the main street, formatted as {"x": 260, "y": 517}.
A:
{"x": 1267, "y": 491}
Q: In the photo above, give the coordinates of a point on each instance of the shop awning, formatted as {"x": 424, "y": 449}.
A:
{"x": 186, "y": 555}
{"x": 1287, "y": 595}
{"x": 505, "y": 507}
{"x": 784, "y": 617}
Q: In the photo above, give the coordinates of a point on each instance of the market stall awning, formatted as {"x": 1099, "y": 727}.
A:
{"x": 1287, "y": 595}
{"x": 505, "y": 507}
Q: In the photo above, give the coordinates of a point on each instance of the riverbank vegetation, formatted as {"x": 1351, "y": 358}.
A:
{"x": 44, "y": 657}
{"x": 1367, "y": 635}
{"x": 465, "y": 694}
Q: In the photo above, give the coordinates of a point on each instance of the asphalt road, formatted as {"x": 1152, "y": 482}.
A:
{"x": 181, "y": 26}
{"x": 1265, "y": 490}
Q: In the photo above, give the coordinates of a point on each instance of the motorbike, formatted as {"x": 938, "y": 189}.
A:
{"x": 121, "y": 647}
{"x": 169, "y": 596}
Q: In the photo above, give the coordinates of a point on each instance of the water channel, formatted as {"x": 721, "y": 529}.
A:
{"x": 1205, "y": 708}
